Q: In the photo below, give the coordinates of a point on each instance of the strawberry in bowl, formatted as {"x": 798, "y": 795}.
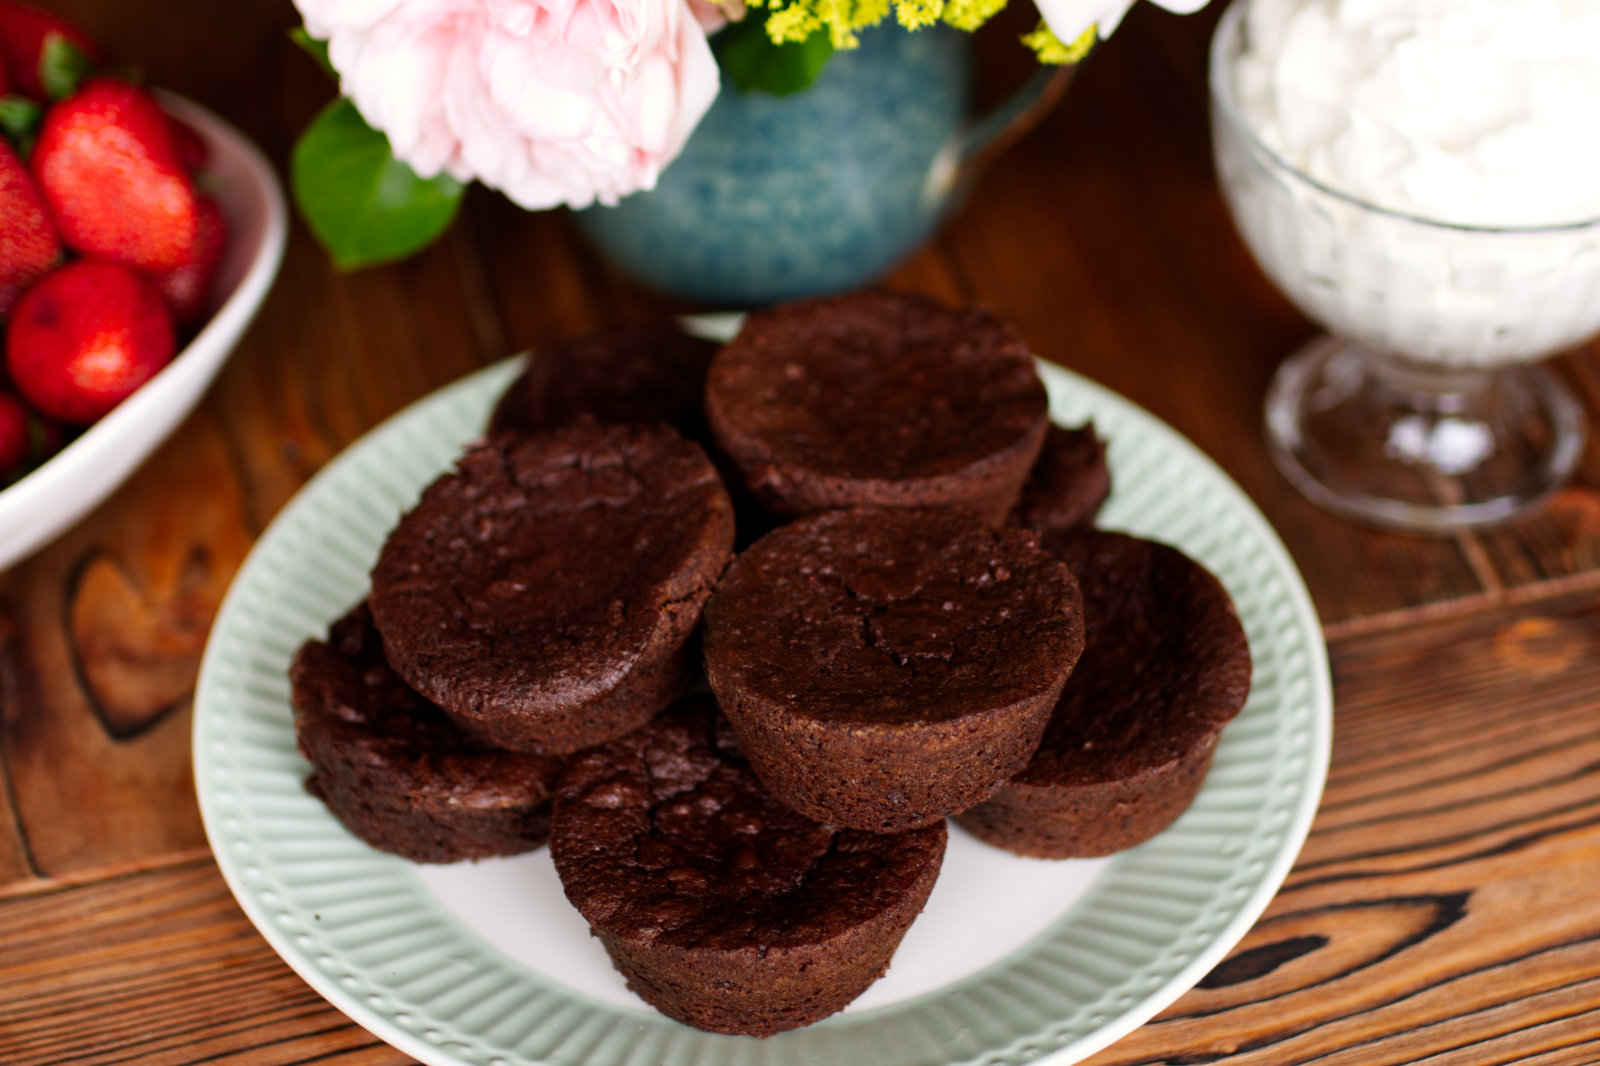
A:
{"x": 29, "y": 246}
{"x": 108, "y": 165}
{"x": 85, "y": 337}
{"x": 139, "y": 234}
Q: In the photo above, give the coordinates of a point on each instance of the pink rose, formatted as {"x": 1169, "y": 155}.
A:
{"x": 549, "y": 101}
{"x": 1069, "y": 19}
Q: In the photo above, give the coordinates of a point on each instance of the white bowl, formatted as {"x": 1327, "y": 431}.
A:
{"x": 55, "y": 495}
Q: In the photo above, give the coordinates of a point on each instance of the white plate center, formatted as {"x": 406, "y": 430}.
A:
{"x": 518, "y": 906}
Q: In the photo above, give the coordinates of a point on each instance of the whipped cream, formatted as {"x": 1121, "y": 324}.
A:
{"x": 1477, "y": 112}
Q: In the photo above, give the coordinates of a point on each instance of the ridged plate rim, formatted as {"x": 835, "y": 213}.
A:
{"x": 1157, "y": 919}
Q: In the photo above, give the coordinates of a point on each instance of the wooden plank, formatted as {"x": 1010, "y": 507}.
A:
{"x": 1443, "y": 905}
{"x": 15, "y": 867}
{"x": 1103, "y": 234}
{"x": 110, "y": 622}
{"x": 1442, "y": 908}
{"x": 166, "y": 970}
{"x": 1562, "y": 545}
{"x": 331, "y": 356}
{"x": 934, "y": 270}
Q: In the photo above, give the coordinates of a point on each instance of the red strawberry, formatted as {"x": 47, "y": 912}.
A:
{"x": 187, "y": 288}
{"x": 28, "y": 244}
{"x": 113, "y": 179}
{"x": 84, "y": 338}
{"x": 24, "y": 33}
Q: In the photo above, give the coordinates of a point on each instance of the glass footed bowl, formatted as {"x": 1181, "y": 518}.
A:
{"x": 1422, "y": 409}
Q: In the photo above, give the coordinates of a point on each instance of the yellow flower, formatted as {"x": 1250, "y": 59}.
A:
{"x": 1050, "y": 49}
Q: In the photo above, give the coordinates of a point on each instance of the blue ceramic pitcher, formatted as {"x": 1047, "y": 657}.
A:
{"x": 778, "y": 197}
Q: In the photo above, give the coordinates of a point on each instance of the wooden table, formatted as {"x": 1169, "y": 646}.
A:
{"x": 1444, "y": 908}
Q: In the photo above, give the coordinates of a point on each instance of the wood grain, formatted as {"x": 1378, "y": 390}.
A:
{"x": 167, "y": 970}
{"x": 15, "y": 865}
{"x": 1443, "y": 908}
{"x": 1443, "y": 904}
{"x": 101, "y": 775}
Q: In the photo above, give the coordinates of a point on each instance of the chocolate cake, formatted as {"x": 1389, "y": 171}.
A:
{"x": 1068, "y": 483}
{"x": 723, "y": 908}
{"x": 878, "y": 398}
{"x": 1166, "y": 667}
{"x": 885, "y": 667}
{"x": 544, "y": 592}
{"x": 396, "y": 771}
{"x": 649, "y": 373}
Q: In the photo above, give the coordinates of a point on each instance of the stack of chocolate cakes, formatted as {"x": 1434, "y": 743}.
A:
{"x": 744, "y": 763}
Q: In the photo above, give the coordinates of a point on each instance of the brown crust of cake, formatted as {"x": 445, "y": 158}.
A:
{"x": 1166, "y": 667}
{"x": 881, "y": 399}
{"x": 1068, "y": 484}
{"x": 395, "y": 770}
{"x": 1089, "y": 820}
{"x": 723, "y": 908}
{"x": 643, "y": 373}
{"x": 885, "y": 667}
{"x": 545, "y": 592}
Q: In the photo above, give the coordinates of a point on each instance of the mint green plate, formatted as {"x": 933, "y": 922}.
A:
{"x": 1014, "y": 960}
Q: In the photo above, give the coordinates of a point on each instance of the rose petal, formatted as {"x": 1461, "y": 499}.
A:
{"x": 549, "y": 101}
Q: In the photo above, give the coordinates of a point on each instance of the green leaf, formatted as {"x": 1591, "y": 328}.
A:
{"x": 62, "y": 66}
{"x": 19, "y": 120}
{"x": 314, "y": 48}
{"x": 365, "y": 206}
{"x": 753, "y": 62}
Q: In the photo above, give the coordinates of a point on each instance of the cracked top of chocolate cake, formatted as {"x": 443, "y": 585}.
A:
{"x": 666, "y": 835}
{"x": 893, "y": 615}
{"x": 649, "y": 373}
{"x": 545, "y": 569}
{"x": 1167, "y": 663}
{"x": 878, "y": 398}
